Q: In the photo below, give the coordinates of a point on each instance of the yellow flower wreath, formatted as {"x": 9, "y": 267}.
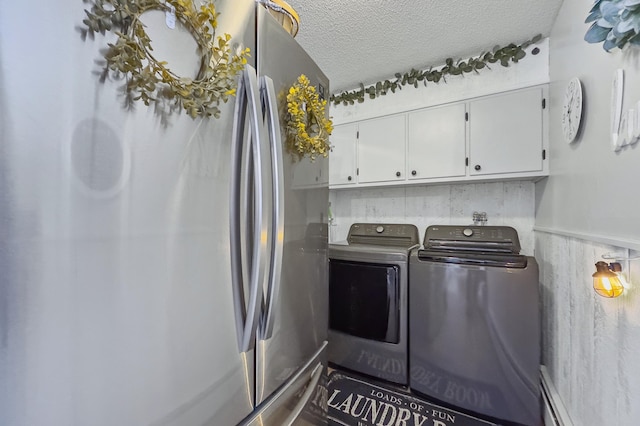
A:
{"x": 308, "y": 129}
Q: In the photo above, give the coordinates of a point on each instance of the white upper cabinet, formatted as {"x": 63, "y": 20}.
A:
{"x": 342, "y": 158}
{"x": 502, "y": 136}
{"x": 381, "y": 149}
{"x": 436, "y": 142}
{"x": 506, "y": 133}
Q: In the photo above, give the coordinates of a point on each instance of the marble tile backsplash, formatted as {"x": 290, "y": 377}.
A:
{"x": 506, "y": 203}
{"x": 590, "y": 344}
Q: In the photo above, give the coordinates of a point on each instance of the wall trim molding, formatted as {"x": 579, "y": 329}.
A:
{"x": 554, "y": 411}
{"x": 617, "y": 242}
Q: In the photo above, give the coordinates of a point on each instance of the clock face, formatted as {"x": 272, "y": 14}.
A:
{"x": 572, "y": 110}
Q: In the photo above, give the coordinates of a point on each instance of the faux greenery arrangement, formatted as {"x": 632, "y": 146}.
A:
{"x": 615, "y": 22}
{"x": 504, "y": 55}
{"x": 308, "y": 129}
{"x": 148, "y": 79}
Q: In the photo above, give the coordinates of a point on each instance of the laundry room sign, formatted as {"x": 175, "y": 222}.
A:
{"x": 353, "y": 402}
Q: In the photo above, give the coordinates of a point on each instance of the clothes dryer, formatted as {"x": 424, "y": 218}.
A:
{"x": 368, "y": 300}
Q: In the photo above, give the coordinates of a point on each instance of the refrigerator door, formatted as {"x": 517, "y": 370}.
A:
{"x": 301, "y": 401}
{"x": 294, "y": 325}
{"x": 116, "y": 303}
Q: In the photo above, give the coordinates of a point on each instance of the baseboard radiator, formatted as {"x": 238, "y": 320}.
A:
{"x": 554, "y": 412}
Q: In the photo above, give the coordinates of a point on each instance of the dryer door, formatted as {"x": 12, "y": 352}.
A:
{"x": 364, "y": 300}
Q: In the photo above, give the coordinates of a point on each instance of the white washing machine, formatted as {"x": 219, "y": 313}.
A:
{"x": 474, "y": 323}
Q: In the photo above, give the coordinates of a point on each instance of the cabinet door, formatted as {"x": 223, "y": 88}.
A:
{"x": 381, "y": 149}
{"x": 505, "y": 133}
{"x": 342, "y": 159}
{"x": 436, "y": 142}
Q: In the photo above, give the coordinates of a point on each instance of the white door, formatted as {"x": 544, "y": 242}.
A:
{"x": 381, "y": 149}
{"x": 436, "y": 142}
{"x": 342, "y": 164}
{"x": 505, "y": 133}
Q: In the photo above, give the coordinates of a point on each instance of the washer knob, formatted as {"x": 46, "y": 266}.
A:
{"x": 379, "y": 229}
{"x": 467, "y": 232}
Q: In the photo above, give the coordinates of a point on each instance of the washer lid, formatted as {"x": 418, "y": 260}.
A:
{"x": 475, "y": 258}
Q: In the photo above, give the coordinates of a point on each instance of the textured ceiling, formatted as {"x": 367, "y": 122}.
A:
{"x": 369, "y": 40}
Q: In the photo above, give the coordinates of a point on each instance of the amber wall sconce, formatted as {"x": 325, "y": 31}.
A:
{"x": 609, "y": 280}
{"x": 606, "y": 279}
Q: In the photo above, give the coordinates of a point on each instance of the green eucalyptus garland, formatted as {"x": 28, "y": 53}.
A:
{"x": 148, "y": 79}
{"x": 504, "y": 55}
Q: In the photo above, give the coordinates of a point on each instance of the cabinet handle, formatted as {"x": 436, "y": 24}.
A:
{"x": 477, "y": 167}
{"x": 413, "y": 173}
{"x": 349, "y": 178}
{"x": 398, "y": 174}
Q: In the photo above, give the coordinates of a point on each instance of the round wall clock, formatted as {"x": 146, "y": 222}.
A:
{"x": 572, "y": 110}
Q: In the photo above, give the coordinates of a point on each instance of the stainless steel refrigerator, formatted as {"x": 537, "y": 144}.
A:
{"x": 156, "y": 273}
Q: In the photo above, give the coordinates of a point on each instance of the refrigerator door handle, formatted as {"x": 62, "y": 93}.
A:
{"x": 261, "y": 205}
{"x": 270, "y": 103}
{"x": 235, "y": 217}
{"x": 306, "y": 396}
{"x": 247, "y": 315}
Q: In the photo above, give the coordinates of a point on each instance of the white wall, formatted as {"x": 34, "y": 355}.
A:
{"x": 591, "y": 345}
{"x": 592, "y": 190}
{"x": 506, "y": 203}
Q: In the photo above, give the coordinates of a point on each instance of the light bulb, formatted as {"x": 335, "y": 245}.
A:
{"x": 616, "y": 267}
{"x": 606, "y": 282}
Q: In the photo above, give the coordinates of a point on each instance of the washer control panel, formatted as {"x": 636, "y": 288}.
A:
{"x": 502, "y": 239}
